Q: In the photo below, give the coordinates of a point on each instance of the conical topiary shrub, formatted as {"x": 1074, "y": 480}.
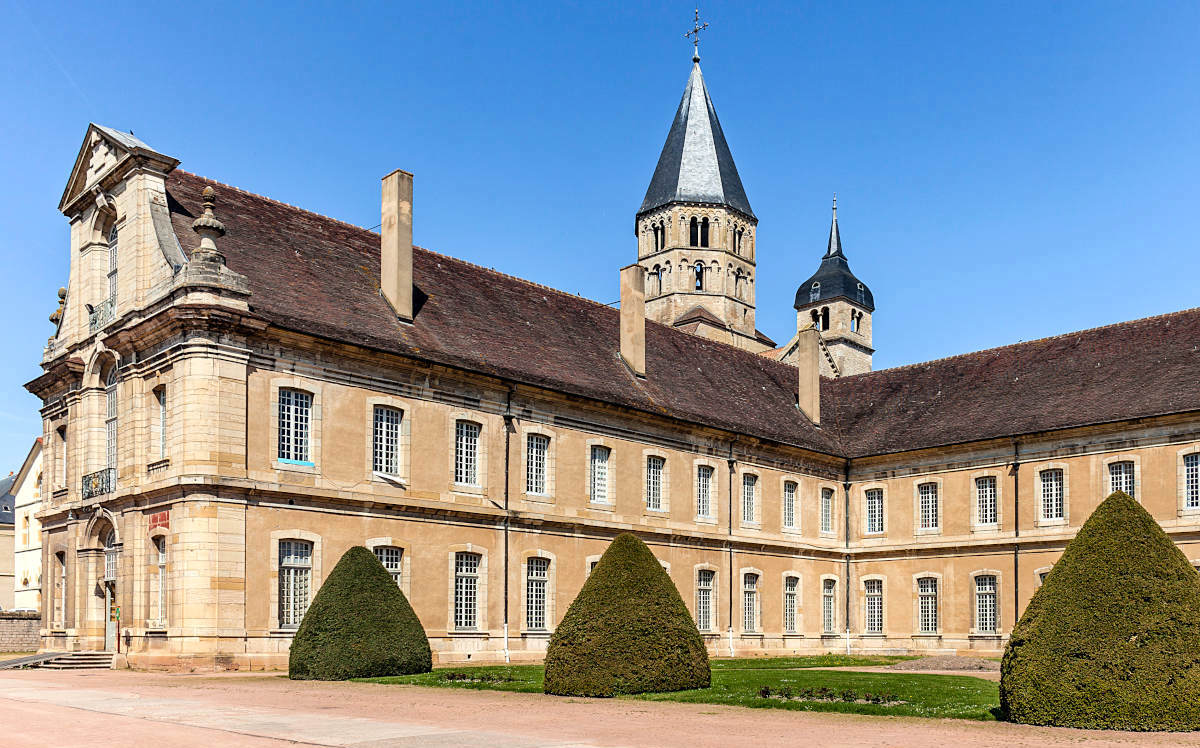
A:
{"x": 628, "y": 631}
{"x": 360, "y": 625}
{"x": 1112, "y": 639}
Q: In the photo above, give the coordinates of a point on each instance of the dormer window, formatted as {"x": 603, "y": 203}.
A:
{"x": 862, "y": 294}
{"x": 814, "y": 293}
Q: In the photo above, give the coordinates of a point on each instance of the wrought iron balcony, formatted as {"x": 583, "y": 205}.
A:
{"x": 100, "y": 315}
{"x": 99, "y": 482}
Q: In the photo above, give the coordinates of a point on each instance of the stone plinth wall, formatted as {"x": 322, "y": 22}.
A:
{"x": 19, "y": 632}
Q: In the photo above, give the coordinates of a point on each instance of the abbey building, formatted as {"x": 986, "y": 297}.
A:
{"x": 238, "y": 390}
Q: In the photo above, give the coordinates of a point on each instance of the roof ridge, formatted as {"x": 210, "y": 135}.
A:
{"x": 1019, "y": 344}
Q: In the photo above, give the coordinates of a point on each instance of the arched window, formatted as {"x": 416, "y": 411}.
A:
{"x": 737, "y": 239}
{"x": 658, "y": 236}
{"x": 825, "y": 318}
{"x": 110, "y": 424}
{"x": 862, "y": 294}
{"x": 699, "y": 273}
{"x": 739, "y": 285}
{"x": 816, "y": 319}
{"x": 694, "y": 233}
{"x": 110, "y": 556}
{"x": 814, "y": 293}
{"x": 295, "y": 581}
{"x": 112, "y": 265}
{"x": 749, "y": 602}
{"x": 704, "y": 233}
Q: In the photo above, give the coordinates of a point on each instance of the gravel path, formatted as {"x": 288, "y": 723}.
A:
{"x": 948, "y": 663}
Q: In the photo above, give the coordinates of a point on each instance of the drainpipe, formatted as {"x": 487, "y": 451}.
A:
{"x": 732, "y": 466}
{"x": 1016, "y": 471}
{"x": 846, "y": 524}
{"x": 508, "y": 429}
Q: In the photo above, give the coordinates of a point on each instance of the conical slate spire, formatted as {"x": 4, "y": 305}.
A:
{"x": 833, "y": 278}
{"x": 696, "y": 165}
{"x": 835, "y": 238}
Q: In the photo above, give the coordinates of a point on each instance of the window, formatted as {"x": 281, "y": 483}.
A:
{"x": 113, "y": 244}
{"x": 111, "y": 549}
{"x": 1120, "y": 477}
{"x": 537, "y": 449}
{"x": 789, "y": 504}
{"x": 62, "y": 456}
{"x": 704, "y": 232}
{"x": 699, "y": 273}
{"x": 466, "y": 453}
{"x": 592, "y": 566}
{"x": 929, "y": 514}
{"x": 874, "y": 510}
{"x": 694, "y": 233}
{"x": 749, "y": 497}
{"x": 814, "y": 293}
{"x": 828, "y": 609}
{"x": 160, "y": 581}
{"x": 874, "y": 605}
{"x": 537, "y": 576}
{"x": 160, "y": 425}
{"x": 385, "y": 440}
{"x": 927, "y": 605}
{"x": 1052, "y": 494}
{"x": 791, "y": 585}
{"x": 466, "y": 591}
{"x": 704, "y": 488}
{"x": 60, "y": 590}
{"x": 985, "y": 604}
{"x": 654, "y": 482}
{"x": 749, "y": 602}
{"x": 825, "y": 318}
{"x": 1191, "y": 470}
{"x": 391, "y": 557}
{"x": 1042, "y": 577}
{"x": 985, "y": 500}
{"x": 862, "y": 294}
{"x": 853, "y": 321}
{"x": 704, "y": 599}
{"x": 110, "y": 422}
{"x": 295, "y": 581}
{"x": 826, "y": 510}
{"x": 295, "y": 420}
{"x": 598, "y": 474}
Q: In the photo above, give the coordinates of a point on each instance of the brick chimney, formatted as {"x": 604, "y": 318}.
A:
{"x": 808, "y": 362}
{"x": 633, "y": 318}
{"x": 395, "y": 266}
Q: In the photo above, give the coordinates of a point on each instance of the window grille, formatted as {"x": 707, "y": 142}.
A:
{"x": 295, "y": 581}
{"x": 930, "y": 515}
{"x": 874, "y": 605}
{"x": 704, "y": 599}
{"x": 927, "y": 599}
{"x": 654, "y": 482}
{"x": 1052, "y": 494}
{"x": 385, "y": 457}
{"x": 704, "y": 485}
{"x": 392, "y": 559}
{"x": 1120, "y": 477}
{"x": 466, "y": 591}
{"x": 985, "y": 604}
{"x": 985, "y": 499}
{"x": 789, "y": 504}
{"x": 537, "y": 450}
{"x": 874, "y": 510}
{"x": 466, "y": 453}
{"x": 749, "y": 497}
{"x": 826, "y": 510}
{"x": 598, "y": 474}
{"x": 110, "y": 557}
{"x": 113, "y": 245}
{"x": 537, "y": 576}
{"x": 828, "y": 606}
{"x": 790, "y": 587}
{"x": 110, "y": 422}
{"x": 295, "y": 419}
{"x": 1191, "y": 469}
{"x": 750, "y": 602}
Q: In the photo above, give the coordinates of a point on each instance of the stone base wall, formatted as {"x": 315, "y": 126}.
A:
{"x": 20, "y": 632}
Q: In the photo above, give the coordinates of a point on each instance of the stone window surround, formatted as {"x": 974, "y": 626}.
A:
{"x": 834, "y": 630}
{"x": 941, "y": 505}
{"x": 783, "y": 577}
{"x": 1181, "y": 480}
{"x": 974, "y": 629}
{"x": 525, "y": 430}
{"x": 976, "y": 525}
{"x": 757, "y": 523}
{"x": 832, "y": 532}
{"x": 798, "y": 504}
{"x": 152, "y": 569}
{"x": 610, "y": 500}
{"x": 862, "y": 588}
{"x": 862, "y": 492}
{"x": 63, "y": 567}
{"x": 714, "y": 490}
{"x": 1041, "y": 521}
{"x": 404, "y": 457}
{"x": 405, "y": 558}
{"x": 587, "y": 564}
{"x": 481, "y": 457}
{"x": 551, "y": 587}
{"x": 1037, "y": 575}
{"x": 666, "y": 481}
{"x": 1105, "y": 480}
{"x": 314, "y": 583}
{"x": 916, "y": 602}
{"x": 713, "y": 600}
{"x": 758, "y": 601}
{"x": 313, "y": 388}
{"x": 481, "y": 598}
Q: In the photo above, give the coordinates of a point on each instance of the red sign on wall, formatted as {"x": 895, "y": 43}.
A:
{"x": 160, "y": 519}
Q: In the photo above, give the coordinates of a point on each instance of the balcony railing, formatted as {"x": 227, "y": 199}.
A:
{"x": 99, "y": 483}
{"x": 100, "y": 315}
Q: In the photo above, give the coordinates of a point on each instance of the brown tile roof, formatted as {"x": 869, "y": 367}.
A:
{"x": 318, "y": 275}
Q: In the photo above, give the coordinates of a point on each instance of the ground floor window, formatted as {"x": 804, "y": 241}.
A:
{"x": 791, "y": 585}
{"x": 927, "y": 604}
{"x": 466, "y": 591}
{"x": 874, "y": 605}
{"x": 537, "y": 577}
{"x": 392, "y": 559}
{"x": 985, "y": 604}
{"x": 704, "y": 599}
{"x": 750, "y": 602}
{"x": 295, "y": 581}
{"x": 828, "y": 609}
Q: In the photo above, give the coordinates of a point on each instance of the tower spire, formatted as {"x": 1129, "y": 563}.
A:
{"x": 835, "y": 238}
{"x": 694, "y": 35}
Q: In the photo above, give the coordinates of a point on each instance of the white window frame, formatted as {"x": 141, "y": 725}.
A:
{"x": 158, "y": 548}
{"x": 403, "y": 575}
{"x": 750, "y": 479}
{"x": 313, "y": 390}
{"x": 387, "y": 425}
{"x": 600, "y": 474}
{"x": 921, "y": 517}
{"x": 751, "y": 607}
{"x": 1040, "y": 477}
{"x": 537, "y": 464}
{"x": 315, "y": 578}
{"x": 403, "y": 446}
{"x": 874, "y": 620}
{"x": 791, "y": 603}
{"x": 921, "y": 611}
{"x": 656, "y": 491}
{"x": 705, "y": 501}
{"x": 880, "y": 491}
{"x": 466, "y": 579}
{"x": 977, "y": 517}
{"x": 159, "y": 432}
{"x": 1135, "y": 477}
{"x": 827, "y": 511}
{"x": 468, "y": 441}
{"x": 391, "y": 557}
{"x": 295, "y": 581}
{"x": 829, "y": 607}
{"x": 789, "y": 510}
{"x": 978, "y": 597}
{"x": 1188, "y": 480}
{"x": 537, "y": 570}
{"x": 293, "y": 435}
{"x": 706, "y": 615}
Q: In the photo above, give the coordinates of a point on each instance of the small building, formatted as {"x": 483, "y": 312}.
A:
{"x": 27, "y": 532}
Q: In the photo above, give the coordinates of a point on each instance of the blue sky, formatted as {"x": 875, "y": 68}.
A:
{"x": 1004, "y": 171}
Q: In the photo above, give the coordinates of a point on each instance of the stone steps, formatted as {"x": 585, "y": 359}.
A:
{"x": 80, "y": 661}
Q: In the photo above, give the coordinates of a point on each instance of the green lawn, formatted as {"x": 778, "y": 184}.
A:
{"x": 743, "y": 682}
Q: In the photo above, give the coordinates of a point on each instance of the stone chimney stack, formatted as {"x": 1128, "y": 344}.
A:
{"x": 808, "y": 362}
{"x": 395, "y": 266}
{"x": 633, "y": 318}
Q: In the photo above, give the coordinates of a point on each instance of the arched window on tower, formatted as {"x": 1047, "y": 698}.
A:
{"x": 738, "y": 239}
{"x": 704, "y": 233}
{"x": 694, "y": 233}
{"x": 656, "y": 280}
{"x": 853, "y": 321}
{"x": 658, "y": 236}
{"x": 698, "y": 270}
{"x": 816, "y": 319}
{"x": 824, "y": 318}
{"x": 814, "y": 293}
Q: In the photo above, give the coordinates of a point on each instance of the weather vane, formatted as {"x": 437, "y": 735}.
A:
{"x": 694, "y": 35}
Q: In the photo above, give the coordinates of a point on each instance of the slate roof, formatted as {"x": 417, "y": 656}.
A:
{"x": 8, "y": 502}
{"x": 319, "y": 276}
{"x": 834, "y": 276}
{"x": 695, "y": 164}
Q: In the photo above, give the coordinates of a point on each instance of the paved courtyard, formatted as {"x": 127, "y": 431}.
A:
{"x": 41, "y": 708}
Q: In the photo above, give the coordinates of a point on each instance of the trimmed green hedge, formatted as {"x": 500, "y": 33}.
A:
{"x": 628, "y": 631}
{"x": 360, "y": 625}
{"x": 1112, "y": 639}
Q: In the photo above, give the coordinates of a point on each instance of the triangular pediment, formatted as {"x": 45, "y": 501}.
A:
{"x": 102, "y": 156}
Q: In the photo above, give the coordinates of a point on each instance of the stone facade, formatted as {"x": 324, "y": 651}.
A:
{"x": 19, "y": 632}
{"x": 27, "y": 532}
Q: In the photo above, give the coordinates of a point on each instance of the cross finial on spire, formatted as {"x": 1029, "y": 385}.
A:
{"x": 694, "y": 35}
{"x": 835, "y": 205}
